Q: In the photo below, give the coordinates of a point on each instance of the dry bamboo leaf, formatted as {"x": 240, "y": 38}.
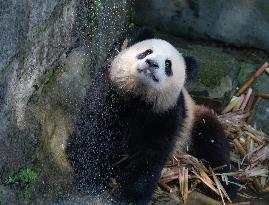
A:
{"x": 239, "y": 103}
{"x": 261, "y": 155}
{"x": 247, "y": 143}
{"x": 186, "y": 185}
{"x": 231, "y": 105}
{"x": 220, "y": 187}
{"x": 257, "y": 184}
{"x": 250, "y": 102}
{"x": 207, "y": 182}
{"x": 247, "y": 196}
{"x": 241, "y": 203}
{"x": 266, "y": 189}
{"x": 166, "y": 187}
{"x": 257, "y": 172}
{"x": 167, "y": 179}
{"x": 263, "y": 181}
{"x": 242, "y": 141}
{"x": 255, "y": 132}
{"x": 246, "y": 99}
{"x": 239, "y": 148}
{"x": 255, "y": 138}
{"x": 183, "y": 184}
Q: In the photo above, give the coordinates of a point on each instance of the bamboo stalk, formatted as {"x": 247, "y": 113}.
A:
{"x": 239, "y": 147}
{"x": 246, "y": 99}
{"x": 266, "y": 189}
{"x": 166, "y": 187}
{"x": 254, "y": 109}
{"x": 250, "y": 102}
{"x": 247, "y": 83}
{"x": 258, "y": 140}
{"x": 239, "y": 103}
{"x": 262, "y": 95}
{"x": 257, "y": 185}
{"x": 169, "y": 178}
{"x": 231, "y": 105}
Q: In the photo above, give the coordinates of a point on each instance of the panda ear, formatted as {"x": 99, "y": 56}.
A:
{"x": 142, "y": 34}
{"x": 191, "y": 67}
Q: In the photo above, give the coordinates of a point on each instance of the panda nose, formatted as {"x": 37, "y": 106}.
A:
{"x": 152, "y": 63}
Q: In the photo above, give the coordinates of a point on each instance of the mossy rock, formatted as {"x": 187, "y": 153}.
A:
{"x": 213, "y": 63}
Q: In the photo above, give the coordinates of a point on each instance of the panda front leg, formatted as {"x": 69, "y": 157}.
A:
{"x": 208, "y": 142}
{"x": 139, "y": 178}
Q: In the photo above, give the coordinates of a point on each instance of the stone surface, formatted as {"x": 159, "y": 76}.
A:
{"x": 19, "y": 20}
{"x": 49, "y": 53}
{"x": 240, "y": 23}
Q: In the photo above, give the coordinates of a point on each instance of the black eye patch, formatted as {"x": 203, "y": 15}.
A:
{"x": 168, "y": 68}
{"x": 144, "y": 54}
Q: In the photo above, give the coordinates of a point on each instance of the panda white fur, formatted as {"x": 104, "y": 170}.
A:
{"x": 130, "y": 120}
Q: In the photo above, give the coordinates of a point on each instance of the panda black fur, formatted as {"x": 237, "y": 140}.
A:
{"x": 136, "y": 106}
{"x": 202, "y": 135}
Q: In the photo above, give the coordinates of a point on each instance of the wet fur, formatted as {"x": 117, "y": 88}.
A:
{"x": 121, "y": 116}
{"x": 112, "y": 125}
{"x": 116, "y": 121}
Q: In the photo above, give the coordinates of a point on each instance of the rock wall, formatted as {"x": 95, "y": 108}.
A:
{"x": 49, "y": 52}
{"x": 238, "y": 23}
{"x": 241, "y": 23}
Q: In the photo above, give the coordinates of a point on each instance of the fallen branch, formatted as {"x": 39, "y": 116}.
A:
{"x": 165, "y": 187}
{"x": 262, "y": 95}
{"x": 247, "y": 83}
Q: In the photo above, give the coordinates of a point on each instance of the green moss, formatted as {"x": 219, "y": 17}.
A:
{"x": 57, "y": 11}
{"x": 263, "y": 9}
{"x": 213, "y": 64}
{"x": 42, "y": 27}
{"x": 41, "y": 79}
{"x": 23, "y": 179}
{"x": 47, "y": 83}
{"x": 227, "y": 97}
{"x": 93, "y": 20}
{"x": 27, "y": 46}
{"x": 131, "y": 25}
{"x": 99, "y": 3}
{"x": 247, "y": 69}
{"x": 24, "y": 176}
{"x": 58, "y": 70}
{"x": 40, "y": 54}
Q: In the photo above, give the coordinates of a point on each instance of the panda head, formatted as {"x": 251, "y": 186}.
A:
{"x": 152, "y": 69}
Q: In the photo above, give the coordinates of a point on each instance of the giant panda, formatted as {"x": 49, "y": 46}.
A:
{"x": 134, "y": 113}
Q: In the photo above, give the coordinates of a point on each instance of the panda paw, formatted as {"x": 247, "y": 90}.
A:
{"x": 232, "y": 187}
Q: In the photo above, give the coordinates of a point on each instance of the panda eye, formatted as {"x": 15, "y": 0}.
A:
{"x": 144, "y": 54}
{"x": 168, "y": 69}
